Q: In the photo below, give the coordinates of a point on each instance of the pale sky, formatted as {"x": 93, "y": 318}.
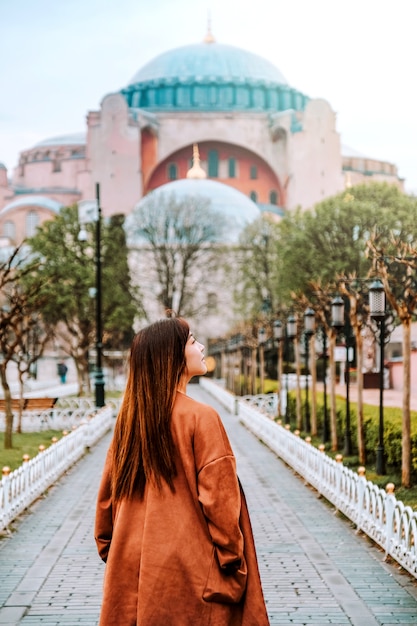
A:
{"x": 61, "y": 57}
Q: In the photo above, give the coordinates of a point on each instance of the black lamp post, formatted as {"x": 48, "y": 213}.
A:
{"x": 290, "y": 335}
{"x": 278, "y": 332}
{"x": 91, "y": 212}
{"x": 340, "y": 321}
{"x": 309, "y": 325}
{"x": 261, "y": 342}
{"x": 377, "y": 313}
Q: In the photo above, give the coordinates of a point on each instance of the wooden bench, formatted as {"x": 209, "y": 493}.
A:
{"x": 29, "y": 404}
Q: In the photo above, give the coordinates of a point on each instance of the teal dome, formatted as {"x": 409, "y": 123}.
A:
{"x": 236, "y": 209}
{"x": 211, "y": 76}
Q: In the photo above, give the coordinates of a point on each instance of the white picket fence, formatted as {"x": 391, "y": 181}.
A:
{"x": 20, "y": 488}
{"x": 373, "y": 510}
{"x": 66, "y": 415}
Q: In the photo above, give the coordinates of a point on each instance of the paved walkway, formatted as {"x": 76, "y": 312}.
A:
{"x": 315, "y": 569}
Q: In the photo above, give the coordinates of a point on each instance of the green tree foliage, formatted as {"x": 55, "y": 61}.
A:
{"x": 19, "y": 306}
{"x": 67, "y": 268}
{"x": 121, "y": 300}
{"x": 258, "y": 269}
{"x": 330, "y": 240}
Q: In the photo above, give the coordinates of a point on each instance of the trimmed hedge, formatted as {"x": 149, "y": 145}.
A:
{"x": 392, "y": 429}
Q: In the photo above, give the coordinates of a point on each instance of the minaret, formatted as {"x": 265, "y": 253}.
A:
{"x": 196, "y": 171}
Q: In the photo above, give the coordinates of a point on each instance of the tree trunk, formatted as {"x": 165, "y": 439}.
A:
{"x": 253, "y": 372}
{"x": 8, "y": 431}
{"x": 299, "y": 417}
{"x": 406, "y": 424}
{"x": 280, "y": 375}
{"x": 21, "y": 403}
{"x": 333, "y": 413}
{"x": 313, "y": 370}
{"x": 359, "y": 375}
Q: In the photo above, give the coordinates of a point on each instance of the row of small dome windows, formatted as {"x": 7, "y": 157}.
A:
{"x": 227, "y": 169}
{"x": 275, "y": 98}
{"x": 32, "y": 221}
{"x": 51, "y": 156}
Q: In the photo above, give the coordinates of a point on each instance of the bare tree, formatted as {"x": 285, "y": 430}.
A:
{"x": 398, "y": 271}
{"x": 358, "y": 316}
{"x": 32, "y": 335}
{"x": 18, "y": 304}
{"x": 179, "y": 248}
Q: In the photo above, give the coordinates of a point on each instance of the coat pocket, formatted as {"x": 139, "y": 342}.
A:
{"x": 225, "y": 586}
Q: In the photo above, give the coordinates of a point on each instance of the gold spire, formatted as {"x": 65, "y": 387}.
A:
{"x": 209, "y": 36}
{"x": 196, "y": 171}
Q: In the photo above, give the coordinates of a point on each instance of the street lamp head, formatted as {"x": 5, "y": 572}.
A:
{"x": 278, "y": 330}
{"x": 82, "y": 235}
{"x": 338, "y": 312}
{"x": 261, "y": 336}
{"x": 377, "y": 300}
{"x": 309, "y": 321}
{"x": 291, "y": 327}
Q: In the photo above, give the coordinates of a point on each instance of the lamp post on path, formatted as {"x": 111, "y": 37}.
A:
{"x": 278, "y": 335}
{"x": 379, "y": 314}
{"x": 291, "y": 333}
{"x": 90, "y": 211}
{"x": 341, "y": 323}
{"x": 309, "y": 323}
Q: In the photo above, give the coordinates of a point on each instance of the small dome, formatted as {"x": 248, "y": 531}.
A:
{"x": 238, "y": 210}
{"x": 75, "y": 139}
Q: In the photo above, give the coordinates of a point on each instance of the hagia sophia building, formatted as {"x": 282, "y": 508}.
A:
{"x": 255, "y": 134}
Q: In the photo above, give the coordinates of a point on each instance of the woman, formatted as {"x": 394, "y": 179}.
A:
{"x": 171, "y": 521}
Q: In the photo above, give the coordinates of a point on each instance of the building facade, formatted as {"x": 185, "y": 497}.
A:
{"x": 255, "y": 133}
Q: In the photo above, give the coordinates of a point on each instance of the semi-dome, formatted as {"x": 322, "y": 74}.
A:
{"x": 40, "y": 202}
{"x": 236, "y": 209}
{"x": 73, "y": 139}
{"x": 211, "y": 76}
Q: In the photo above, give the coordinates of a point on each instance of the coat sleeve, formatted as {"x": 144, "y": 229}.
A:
{"x": 220, "y": 499}
{"x": 104, "y": 514}
{"x": 219, "y": 496}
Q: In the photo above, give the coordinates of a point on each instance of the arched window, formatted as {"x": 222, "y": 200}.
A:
{"x": 253, "y": 172}
{"x": 9, "y": 230}
{"x": 232, "y": 167}
{"x": 254, "y": 196}
{"x": 213, "y": 163}
{"x": 273, "y": 197}
{"x": 32, "y": 220}
{"x": 172, "y": 171}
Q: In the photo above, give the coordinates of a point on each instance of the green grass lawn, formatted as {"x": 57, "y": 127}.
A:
{"x": 25, "y": 443}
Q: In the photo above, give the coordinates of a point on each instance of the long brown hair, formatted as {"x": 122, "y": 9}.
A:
{"x": 143, "y": 448}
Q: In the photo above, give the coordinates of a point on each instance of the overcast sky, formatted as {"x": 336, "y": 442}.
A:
{"x": 60, "y": 58}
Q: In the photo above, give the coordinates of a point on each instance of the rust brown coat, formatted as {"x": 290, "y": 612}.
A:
{"x": 172, "y": 557}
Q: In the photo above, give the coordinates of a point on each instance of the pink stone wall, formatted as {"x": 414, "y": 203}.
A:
{"x": 397, "y": 376}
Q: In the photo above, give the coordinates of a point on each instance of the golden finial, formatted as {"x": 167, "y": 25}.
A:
{"x": 209, "y": 35}
{"x": 196, "y": 170}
